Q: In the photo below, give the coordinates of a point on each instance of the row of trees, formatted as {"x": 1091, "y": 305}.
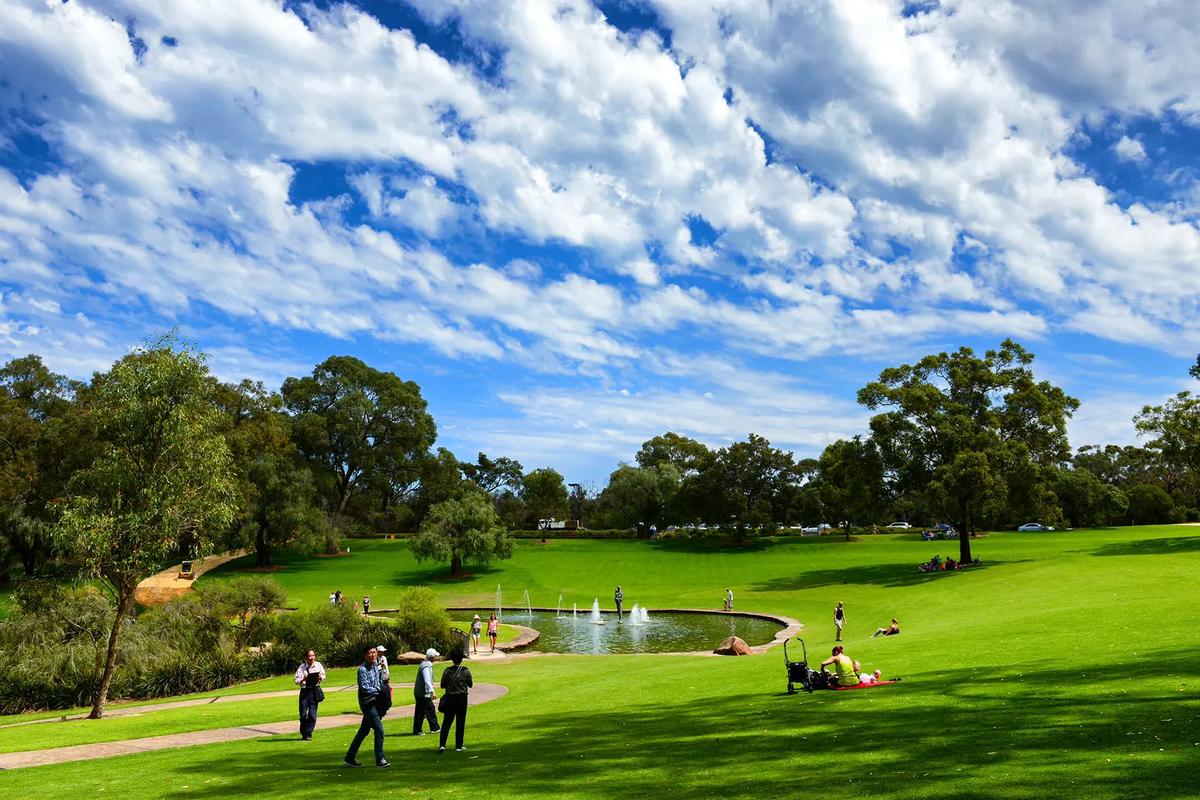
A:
{"x": 976, "y": 441}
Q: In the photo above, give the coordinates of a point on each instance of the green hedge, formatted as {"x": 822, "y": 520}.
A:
{"x": 612, "y": 533}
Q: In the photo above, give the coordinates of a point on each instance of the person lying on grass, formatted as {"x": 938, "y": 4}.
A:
{"x": 890, "y": 630}
{"x": 869, "y": 678}
{"x": 845, "y": 670}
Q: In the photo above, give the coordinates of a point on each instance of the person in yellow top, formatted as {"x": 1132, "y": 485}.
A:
{"x": 844, "y": 669}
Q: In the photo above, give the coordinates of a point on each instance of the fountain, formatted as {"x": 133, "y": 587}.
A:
{"x": 574, "y": 611}
{"x": 645, "y": 616}
{"x": 635, "y": 616}
{"x": 528, "y": 608}
{"x": 558, "y": 613}
{"x": 596, "y": 620}
{"x": 498, "y": 602}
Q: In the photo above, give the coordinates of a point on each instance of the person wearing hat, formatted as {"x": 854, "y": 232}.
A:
{"x": 385, "y": 677}
{"x": 476, "y": 628}
{"x": 424, "y": 694}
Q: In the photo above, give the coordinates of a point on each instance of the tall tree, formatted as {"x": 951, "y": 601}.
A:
{"x": 360, "y": 428}
{"x": 494, "y": 475}
{"x": 1174, "y": 428}
{"x": 544, "y": 494}
{"x": 964, "y": 428}
{"x": 462, "y": 530}
{"x": 850, "y": 480}
{"x": 36, "y": 455}
{"x": 749, "y": 479}
{"x": 162, "y": 476}
{"x": 639, "y": 496}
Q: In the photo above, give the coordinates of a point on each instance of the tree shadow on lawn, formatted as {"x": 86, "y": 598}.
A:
{"x": 1010, "y": 735}
{"x": 1174, "y": 545}
{"x": 889, "y": 575}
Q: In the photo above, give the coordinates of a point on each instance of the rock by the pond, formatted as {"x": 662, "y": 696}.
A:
{"x": 411, "y": 657}
{"x": 733, "y": 646}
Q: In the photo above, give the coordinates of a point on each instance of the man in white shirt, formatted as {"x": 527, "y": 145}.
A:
{"x": 308, "y": 677}
{"x": 424, "y": 695}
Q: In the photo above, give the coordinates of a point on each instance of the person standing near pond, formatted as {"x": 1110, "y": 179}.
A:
{"x": 370, "y": 687}
{"x": 366, "y": 604}
{"x": 476, "y": 628}
{"x": 839, "y": 619}
{"x": 456, "y": 683}
{"x": 729, "y": 599}
{"x": 309, "y": 675}
{"x": 424, "y": 695}
{"x": 618, "y": 598}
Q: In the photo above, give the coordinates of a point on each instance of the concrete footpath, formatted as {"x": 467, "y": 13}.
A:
{"x": 481, "y": 693}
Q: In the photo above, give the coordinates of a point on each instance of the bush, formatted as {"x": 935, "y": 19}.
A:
{"x": 421, "y": 622}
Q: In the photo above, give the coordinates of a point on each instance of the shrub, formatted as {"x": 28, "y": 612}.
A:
{"x": 421, "y": 622}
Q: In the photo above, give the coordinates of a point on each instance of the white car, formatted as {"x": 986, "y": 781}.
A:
{"x": 1034, "y": 526}
{"x": 818, "y": 529}
{"x": 904, "y": 525}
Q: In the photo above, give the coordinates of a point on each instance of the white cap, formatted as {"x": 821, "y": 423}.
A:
{"x": 431, "y": 653}
{"x": 381, "y": 649}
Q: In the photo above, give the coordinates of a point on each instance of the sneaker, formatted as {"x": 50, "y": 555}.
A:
{"x": 418, "y": 733}
{"x": 350, "y": 762}
{"x": 441, "y": 749}
{"x": 383, "y": 764}
{"x": 460, "y": 749}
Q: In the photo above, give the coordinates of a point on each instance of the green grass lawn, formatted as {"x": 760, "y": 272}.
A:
{"x": 1068, "y": 665}
{"x": 504, "y": 635}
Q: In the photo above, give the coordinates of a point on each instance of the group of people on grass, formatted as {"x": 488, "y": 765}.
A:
{"x": 375, "y": 700}
{"x": 847, "y": 671}
{"x": 336, "y": 598}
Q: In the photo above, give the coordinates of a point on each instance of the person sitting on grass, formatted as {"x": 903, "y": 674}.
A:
{"x": 890, "y": 630}
{"x": 844, "y": 668}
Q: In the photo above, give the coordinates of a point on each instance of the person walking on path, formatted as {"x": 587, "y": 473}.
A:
{"x": 839, "y": 619}
{"x": 476, "y": 627}
{"x": 366, "y": 604}
{"x": 456, "y": 683}
{"x": 493, "y": 630}
{"x": 618, "y": 598}
{"x": 369, "y": 688}
{"x": 309, "y": 675}
{"x": 729, "y": 599}
{"x": 424, "y": 695}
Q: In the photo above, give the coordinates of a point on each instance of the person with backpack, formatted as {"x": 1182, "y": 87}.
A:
{"x": 370, "y": 686}
{"x": 456, "y": 683}
{"x": 424, "y": 695}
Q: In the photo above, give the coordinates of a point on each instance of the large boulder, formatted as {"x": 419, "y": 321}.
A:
{"x": 733, "y": 646}
{"x": 409, "y": 658}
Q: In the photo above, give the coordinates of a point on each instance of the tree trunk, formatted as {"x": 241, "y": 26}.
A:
{"x": 964, "y": 541}
{"x": 262, "y": 550}
{"x": 455, "y": 565}
{"x": 110, "y": 661}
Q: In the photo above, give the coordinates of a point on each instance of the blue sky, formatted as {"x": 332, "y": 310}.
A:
{"x": 577, "y": 225}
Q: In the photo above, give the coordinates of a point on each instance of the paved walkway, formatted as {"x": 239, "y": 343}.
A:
{"x": 481, "y": 693}
{"x": 167, "y": 585}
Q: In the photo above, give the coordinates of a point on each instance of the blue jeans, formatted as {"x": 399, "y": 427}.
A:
{"x": 370, "y": 722}
{"x": 308, "y": 711}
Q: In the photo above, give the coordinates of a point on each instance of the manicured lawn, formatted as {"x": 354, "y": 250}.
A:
{"x": 1068, "y": 665}
{"x": 505, "y": 634}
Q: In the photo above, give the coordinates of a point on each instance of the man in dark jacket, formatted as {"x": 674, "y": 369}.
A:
{"x": 456, "y": 683}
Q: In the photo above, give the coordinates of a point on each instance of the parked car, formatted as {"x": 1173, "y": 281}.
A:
{"x": 904, "y": 525}
{"x": 1035, "y": 526}
{"x": 817, "y": 529}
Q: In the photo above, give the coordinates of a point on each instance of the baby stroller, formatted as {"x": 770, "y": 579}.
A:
{"x": 798, "y": 672}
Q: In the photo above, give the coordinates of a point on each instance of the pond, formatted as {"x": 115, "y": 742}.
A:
{"x": 664, "y": 632}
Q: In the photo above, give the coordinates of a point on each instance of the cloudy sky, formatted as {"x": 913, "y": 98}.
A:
{"x": 579, "y": 224}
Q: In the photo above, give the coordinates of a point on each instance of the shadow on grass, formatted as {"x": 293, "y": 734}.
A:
{"x": 889, "y": 575}
{"x": 1174, "y": 545}
{"x": 981, "y": 733}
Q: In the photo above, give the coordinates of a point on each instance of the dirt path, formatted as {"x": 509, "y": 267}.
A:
{"x": 481, "y": 693}
{"x": 167, "y": 585}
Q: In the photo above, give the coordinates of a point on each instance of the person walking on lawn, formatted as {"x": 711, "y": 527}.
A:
{"x": 370, "y": 687}
{"x": 839, "y": 619}
{"x": 308, "y": 677}
{"x": 618, "y": 598}
{"x": 456, "y": 683}
{"x": 424, "y": 695}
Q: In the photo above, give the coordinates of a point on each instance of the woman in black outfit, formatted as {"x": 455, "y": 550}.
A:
{"x": 456, "y": 682}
